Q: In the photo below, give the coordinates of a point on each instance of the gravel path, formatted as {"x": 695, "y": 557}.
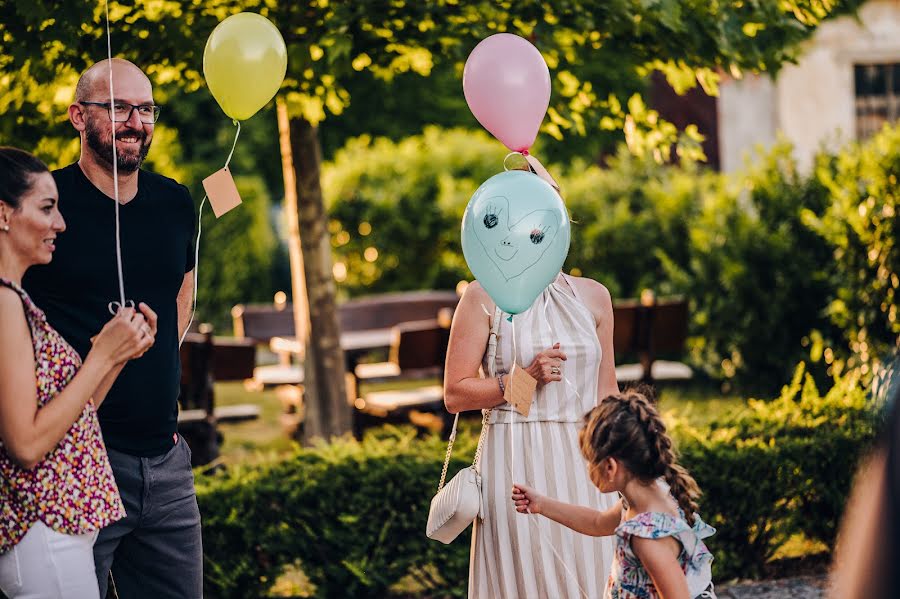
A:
{"x": 800, "y": 587}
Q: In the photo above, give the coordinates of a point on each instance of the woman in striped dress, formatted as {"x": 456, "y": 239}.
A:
{"x": 564, "y": 341}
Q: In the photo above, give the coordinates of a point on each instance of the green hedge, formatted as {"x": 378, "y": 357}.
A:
{"x": 860, "y": 225}
{"x": 352, "y": 515}
{"x": 736, "y": 247}
{"x": 779, "y": 468}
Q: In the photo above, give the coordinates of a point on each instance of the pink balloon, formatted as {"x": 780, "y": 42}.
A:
{"x": 507, "y": 88}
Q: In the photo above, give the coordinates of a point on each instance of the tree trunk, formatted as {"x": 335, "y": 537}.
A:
{"x": 328, "y": 411}
{"x": 292, "y": 400}
{"x": 292, "y": 216}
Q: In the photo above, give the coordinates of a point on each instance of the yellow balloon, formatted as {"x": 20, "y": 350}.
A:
{"x": 244, "y": 63}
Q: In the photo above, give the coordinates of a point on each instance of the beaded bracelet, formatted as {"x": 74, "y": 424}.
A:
{"x": 502, "y": 386}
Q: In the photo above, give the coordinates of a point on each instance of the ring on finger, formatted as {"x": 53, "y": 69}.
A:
{"x": 554, "y": 370}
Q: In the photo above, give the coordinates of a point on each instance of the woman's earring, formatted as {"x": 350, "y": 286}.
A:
{"x": 5, "y": 228}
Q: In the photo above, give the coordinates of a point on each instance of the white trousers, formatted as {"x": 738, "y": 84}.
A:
{"x": 46, "y": 564}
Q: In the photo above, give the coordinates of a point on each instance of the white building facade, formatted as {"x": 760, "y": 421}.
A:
{"x": 845, "y": 86}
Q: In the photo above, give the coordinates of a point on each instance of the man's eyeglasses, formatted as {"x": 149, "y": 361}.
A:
{"x": 121, "y": 111}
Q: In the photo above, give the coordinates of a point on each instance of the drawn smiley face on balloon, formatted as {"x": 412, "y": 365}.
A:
{"x": 515, "y": 237}
{"x": 514, "y": 247}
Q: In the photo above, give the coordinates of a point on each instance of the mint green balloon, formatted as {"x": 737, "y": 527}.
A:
{"x": 515, "y": 238}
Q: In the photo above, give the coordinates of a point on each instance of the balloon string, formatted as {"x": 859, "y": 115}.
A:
{"x": 512, "y": 371}
{"x": 115, "y": 163}
{"x": 197, "y": 245}
{"x": 234, "y": 145}
{"x": 196, "y": 270}
{"x": 506, "y": 168}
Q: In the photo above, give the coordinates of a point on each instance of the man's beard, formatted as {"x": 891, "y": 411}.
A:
{"x": 127, "y": 161}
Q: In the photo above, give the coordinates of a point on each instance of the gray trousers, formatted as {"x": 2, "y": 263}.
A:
{"x": 155, "y": 551}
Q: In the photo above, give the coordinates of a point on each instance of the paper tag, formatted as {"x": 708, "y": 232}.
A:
{"x": 520, "y": 388}
{"x": 541, "y": 172}
{"x": 222, "y": 192}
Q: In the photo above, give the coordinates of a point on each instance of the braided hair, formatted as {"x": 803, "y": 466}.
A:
{"x": 627, "y": 427}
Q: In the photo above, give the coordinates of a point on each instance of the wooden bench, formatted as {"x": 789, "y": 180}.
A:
{"x": 418, "y": 352}
{"x": 262, "y": 322}
{"x": 389, "y": 309}
{"x": 274, "y": 325}
{"x": 204, "y": 360}
{"x": 646, "y": 329}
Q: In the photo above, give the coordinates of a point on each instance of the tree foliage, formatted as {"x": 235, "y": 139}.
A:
{"x": 597, "y": 52}
{"x": 395, "y": 208}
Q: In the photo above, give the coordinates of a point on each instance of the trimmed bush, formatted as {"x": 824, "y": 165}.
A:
{"x": 860, "y": 225}
{"x": 353, "y": 514}
{"x": 405, "y": 201}
{"x": 778, "y": 468}
{"x": 757, "y": 278}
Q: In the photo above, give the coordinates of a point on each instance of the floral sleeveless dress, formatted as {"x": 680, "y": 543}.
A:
{"x": 629, "y": 580}
{"x": 72, "y": 490}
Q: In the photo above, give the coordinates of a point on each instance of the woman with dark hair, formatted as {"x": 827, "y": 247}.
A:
{"x": 57, "y": 487}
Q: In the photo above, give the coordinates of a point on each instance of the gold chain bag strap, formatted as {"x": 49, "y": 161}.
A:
{"x": 458, "y": 503}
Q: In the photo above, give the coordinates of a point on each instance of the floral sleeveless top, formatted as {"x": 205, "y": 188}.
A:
{"x": 629, "y": 580}
{"x": 71, "y": 490}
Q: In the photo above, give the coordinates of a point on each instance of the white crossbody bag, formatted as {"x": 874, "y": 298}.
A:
{"x": 459, "y": 502}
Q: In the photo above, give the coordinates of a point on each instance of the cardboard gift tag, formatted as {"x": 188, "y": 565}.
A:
{"x": 221, "y": 191}
{"x": 520, "y": 390}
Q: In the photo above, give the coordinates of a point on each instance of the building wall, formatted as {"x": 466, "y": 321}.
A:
{"x": 746, "y": 118}
{"x": 811, "y": 103}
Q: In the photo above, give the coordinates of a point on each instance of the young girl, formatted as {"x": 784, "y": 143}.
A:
{"x": 659, "y": 552}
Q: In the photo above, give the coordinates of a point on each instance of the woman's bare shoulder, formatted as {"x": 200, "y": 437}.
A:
{"x": 475, "y": 295}
{"x": 594, "y": 293}
{"x": 12, "y": 318}
{"x": 10, "y": 301}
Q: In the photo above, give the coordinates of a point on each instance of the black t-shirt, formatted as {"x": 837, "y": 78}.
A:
{"x": 139, "y": 415}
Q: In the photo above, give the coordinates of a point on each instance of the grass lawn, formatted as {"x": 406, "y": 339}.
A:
{"x": 698, "y": 405}
{"x": 257, "y": 439}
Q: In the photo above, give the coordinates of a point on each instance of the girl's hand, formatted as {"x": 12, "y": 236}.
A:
{"x": 547, "y": 366}
{"x": 527, "y": 500}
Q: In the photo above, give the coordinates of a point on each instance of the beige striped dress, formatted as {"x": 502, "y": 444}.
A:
{"x": 519, "y": 556}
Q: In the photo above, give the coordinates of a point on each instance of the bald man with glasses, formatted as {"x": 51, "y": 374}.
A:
{"x": 156, "y": 550}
